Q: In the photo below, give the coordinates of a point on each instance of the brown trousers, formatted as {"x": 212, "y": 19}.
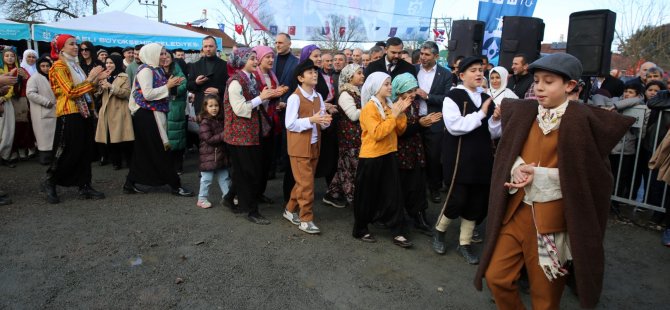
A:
{"x": 302, "y": 195}
{"x": 517, "y": 246}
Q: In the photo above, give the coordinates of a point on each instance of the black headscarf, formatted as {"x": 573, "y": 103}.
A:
{"x": 118, "y": 67}
{"x": 40, "y": 61}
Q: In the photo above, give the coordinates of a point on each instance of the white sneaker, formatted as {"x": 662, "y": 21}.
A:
{"x": 309, "y": 227}
{"x": 294, "y": 218}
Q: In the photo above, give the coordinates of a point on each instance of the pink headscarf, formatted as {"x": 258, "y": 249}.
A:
{"x": 262, "y": 51}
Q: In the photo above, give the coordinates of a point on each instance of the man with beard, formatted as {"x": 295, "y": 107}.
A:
{"x": 208, "y": 75}
{"x": 392, "y": 63}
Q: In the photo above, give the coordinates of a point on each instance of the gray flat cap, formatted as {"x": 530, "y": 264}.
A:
{"x": 559, "y": 63}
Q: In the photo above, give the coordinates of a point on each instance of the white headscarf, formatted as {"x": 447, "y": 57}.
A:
{"x": 24, "y": 64}
{"x": 150, "y": 54}
{"x": 503, "y": 81}
{"x": 373, "y": 83}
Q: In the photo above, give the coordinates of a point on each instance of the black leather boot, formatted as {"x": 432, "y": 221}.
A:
{"x": 87, "y": 192}
{"x": 466, "y": 251}
{"x": 422, "y": 224}
{"x": 130, "y": 188}
{"x": 49, "y": 187}
{"x": 438, "y": 242}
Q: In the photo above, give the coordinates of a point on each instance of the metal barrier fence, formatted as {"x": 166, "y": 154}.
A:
{"x": 640, "y": 165}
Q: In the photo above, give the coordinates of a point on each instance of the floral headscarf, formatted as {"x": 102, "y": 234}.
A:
{"x": 346, "y": 75}
{"x": 240, "y": 57}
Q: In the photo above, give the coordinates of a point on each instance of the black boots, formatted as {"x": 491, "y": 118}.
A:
{"x": 49, "y": 187}
{"x": 130, "y": 188}
{"x": 421, "y": 223}
{"x": 87, "y": 192}
{"x": 466, "y": 251}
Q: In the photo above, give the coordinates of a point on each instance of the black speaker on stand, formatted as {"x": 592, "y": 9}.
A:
{"x": 520, "y": 35}
{"x": 590, "y": 36}
{"x": 466, "y": 39}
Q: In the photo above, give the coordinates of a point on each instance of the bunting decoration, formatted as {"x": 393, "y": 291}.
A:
{"x": 291, "y": 30}
{"x": 393, "y": 31}
{"x": 239, "y": 28}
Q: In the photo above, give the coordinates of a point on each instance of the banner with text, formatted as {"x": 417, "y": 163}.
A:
{"x": 491, "y": 12}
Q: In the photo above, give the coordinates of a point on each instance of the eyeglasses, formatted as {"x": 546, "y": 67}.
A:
{"x": 85, "y": 49}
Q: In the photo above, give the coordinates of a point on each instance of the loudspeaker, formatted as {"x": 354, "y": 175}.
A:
{"x": 466, "y": 39}
{"x": 590, "y": 36}
{"x": 520, "y": 35}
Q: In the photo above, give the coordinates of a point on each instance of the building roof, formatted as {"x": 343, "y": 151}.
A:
{"x": 228, "y": 42}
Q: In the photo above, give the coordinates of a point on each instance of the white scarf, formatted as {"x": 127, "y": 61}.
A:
{"x": 380, "y": 106}
{"x": 372, "y": 84}
{"x": 550, "y": 119}
{"x": 31, "y": 69}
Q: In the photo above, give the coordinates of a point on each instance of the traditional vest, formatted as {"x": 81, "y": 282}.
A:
{"x": 239, "y": 130}
{"x": 476, "y": 159}
{"x": 410, "y": 145}
{"x": 542, "y": 150}
{"x": 348, "y": 131}
{"x": 159, "y": 79}
{"x": 299, "y": 143}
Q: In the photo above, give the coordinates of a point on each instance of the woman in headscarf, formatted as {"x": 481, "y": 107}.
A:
{"x": 115, "y": 125}
{"x": 378, "y": 196}
{"x": 266, "y": 78}
{"x": 28, "y": 62}
{"x": 411, "y": 155}
{"x": 176, "y": 118}
{"x": 23, "y": 145}
{"x": 8, "y": 122}
{"x": 151, "y": 163}
{"x": 340, "y": 192}
{"x": 42, "y": 111}
{"x": 498, "y": 85}
{"x": 73, "y": 141}
{"x": 243, "y": 129}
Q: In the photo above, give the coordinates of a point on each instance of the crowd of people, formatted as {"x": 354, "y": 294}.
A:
{"x": 388, "y": 129}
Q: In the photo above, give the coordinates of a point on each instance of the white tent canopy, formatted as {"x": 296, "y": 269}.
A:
{"x": 10, "y": 30}
{"x": 118, "y": 29}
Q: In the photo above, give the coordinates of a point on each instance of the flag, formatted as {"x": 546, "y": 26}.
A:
{"x": 222, "y": 27}
{"x": 410, "y": 31}
{"x": 377, "y": 28}
{"x": 325, "y": 31}
{"x": 291, "y": 30}
{"x": 492, "y": 12}
{"x": 393, "y": 31}
{"x": 342, "y": 31}
{"x": 423, "y": 29}
{"x": 273, "y": 30}
{"x": 239, "y": 28}
{"x": 251, "y": 10}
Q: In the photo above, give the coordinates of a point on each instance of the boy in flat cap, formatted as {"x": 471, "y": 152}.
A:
{"x": 472, "y": 122}
{"x": 550, "y": 191}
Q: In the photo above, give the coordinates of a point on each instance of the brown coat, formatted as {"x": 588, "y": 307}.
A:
{"x": 115, "y": 113}
{"x": 587, "y": 135}
{"x": 661, "y": 159}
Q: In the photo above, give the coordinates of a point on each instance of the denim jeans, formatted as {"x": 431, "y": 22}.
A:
{"x": 206, "y": 178}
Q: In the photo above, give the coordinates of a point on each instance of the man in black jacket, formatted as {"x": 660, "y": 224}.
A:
{"x": 391, "y": 63}
{"x": 520, "y": 82}
{"x": 434, "y": 83}
{"x": 208, "y": 75}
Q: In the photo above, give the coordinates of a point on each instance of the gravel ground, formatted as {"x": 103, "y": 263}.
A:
{"x": 158, "y": 251}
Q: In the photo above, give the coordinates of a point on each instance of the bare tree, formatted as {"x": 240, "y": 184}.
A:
{"x": 231, "y": 15}
{"x": 332, "y": 38}
{"x": 634, "y": 16}
{"x": 651, "y": 43}
{"x": 45, "y": 10}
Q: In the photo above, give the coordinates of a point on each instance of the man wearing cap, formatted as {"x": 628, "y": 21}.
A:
{"x": 550, "y": 192}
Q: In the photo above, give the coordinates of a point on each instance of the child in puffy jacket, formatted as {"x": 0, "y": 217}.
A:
{"x": 213, "y": 157}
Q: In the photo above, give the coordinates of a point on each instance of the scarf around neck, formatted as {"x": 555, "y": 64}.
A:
{"x": 550, "y": 119}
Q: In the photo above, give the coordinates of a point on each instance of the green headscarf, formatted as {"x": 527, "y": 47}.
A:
{"x": 402, "y": 84}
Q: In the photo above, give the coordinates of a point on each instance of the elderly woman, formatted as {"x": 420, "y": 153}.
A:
{"x": 115, "y": 125}
{"x": 151, "y": 163}
{"x": 73, "y": 142}
{"x": 42, "y": 111}
{"x": 340, "y": 192}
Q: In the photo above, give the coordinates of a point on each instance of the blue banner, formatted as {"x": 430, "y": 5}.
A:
{"x": 10, "y": 30}
{"x": 491, "y": 12}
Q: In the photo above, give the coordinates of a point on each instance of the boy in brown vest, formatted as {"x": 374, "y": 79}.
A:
{"x": 305, "y": 117}
{"x": 540, "y": 218}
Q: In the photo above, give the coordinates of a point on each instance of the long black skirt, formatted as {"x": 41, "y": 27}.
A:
{"x": 151, "y": 164}
{"x": 73, "y": 150}
{"x": 378, "y": 196}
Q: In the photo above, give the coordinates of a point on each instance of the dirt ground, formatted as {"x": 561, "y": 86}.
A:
{"x": 158, "y": 251}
